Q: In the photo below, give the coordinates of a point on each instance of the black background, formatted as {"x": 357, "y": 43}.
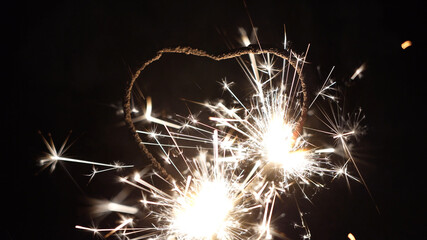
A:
{"x": 70, "y": 60}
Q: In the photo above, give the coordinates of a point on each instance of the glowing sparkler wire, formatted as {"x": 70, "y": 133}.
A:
{"x": 249, "y": 50}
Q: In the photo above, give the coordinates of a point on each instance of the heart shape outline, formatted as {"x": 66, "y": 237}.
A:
{"x": 221, "y": 57}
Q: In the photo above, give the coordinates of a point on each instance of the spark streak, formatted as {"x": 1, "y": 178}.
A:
{"x": 54, "y": 156}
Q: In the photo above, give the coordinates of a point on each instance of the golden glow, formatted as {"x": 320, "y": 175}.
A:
{"x": 204, "y": 214}
{"x": 351, "y": 237}
{"x": 295, "y": 162}
{"x": 277, "y": 140}
{"x": 278, "y": 143}
{"x": 406, "y": 44}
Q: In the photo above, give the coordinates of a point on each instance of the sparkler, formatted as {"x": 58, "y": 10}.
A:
{"x": 250, "y": 153}
{"x": 211, "y": 203}
{"x": 269, "y": 133}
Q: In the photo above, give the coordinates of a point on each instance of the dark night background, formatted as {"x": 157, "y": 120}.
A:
{"x": 70, "y": 60}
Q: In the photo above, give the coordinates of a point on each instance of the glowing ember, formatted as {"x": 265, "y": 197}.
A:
{"x": 406, "y": 44}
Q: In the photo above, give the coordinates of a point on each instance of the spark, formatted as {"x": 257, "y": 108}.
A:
{"x": 124, "y": 223}
{"x": 115, "y": 207}
{"x": 156, "y": 120}
{"x": 326, "y": 150}
{"x": 327, "y": 85}
{"x": 358, "y": 71}
{"x": 267, "y": 127}
{"x": 209, "y": 203}
{"x": 406, "y": 44}
{"x": 57, "y": 155}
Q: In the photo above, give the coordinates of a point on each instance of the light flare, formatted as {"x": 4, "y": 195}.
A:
{"x": 278, "y": 140}
{"x": 204, "y": 214}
